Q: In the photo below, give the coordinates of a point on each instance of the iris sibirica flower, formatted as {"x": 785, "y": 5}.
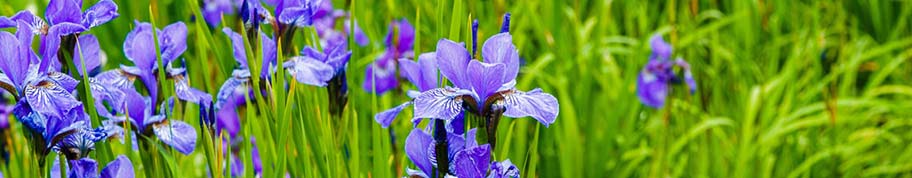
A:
{"x": 653, "y": 82}
{"x": 65, "y": 20}
{"x": 423, "y": 74}
{"x": 139, "y": 48}
{"x": 381, "y": 75}
{"x": 121, "y": 167}
{"x": 324, "y": 69}
{"x": 485, "y": 89}
{"x": 465, "y": 157}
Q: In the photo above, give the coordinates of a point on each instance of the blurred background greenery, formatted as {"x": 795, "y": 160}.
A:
{"x": 786, "y": 88}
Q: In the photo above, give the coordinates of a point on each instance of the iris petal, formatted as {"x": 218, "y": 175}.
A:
{"x": 453, "y": 59}
{"x": 139, "y": 47}
{"x": 89, "y": 50}
{"x": 310, "y": 71}
{"x": 119, "y": 168}
{"x": 472, "y": 162}
{"x": 500, "y": 49}
{"x": 440, "y": 103}
{"x": 60, "y": 11}
{"x": 537, "y": 104}
{"x": 100, "y": 13}
{"x": 486, "y": 78}
{"x": 416, "y": 148}
{"x": 651, "y": 90}
{"x": 385, "y": 118}
{"x": 181, "y": 136}
{"x": 173, "y": 42}
{"x": 83, "y": 168}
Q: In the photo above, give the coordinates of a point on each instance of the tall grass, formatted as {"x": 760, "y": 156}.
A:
{"x": 786, "y": 89}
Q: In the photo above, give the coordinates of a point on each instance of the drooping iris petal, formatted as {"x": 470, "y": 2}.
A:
{"x": 34, "y": 24}
{"x": 452, "y": 60}
{"x": 185, "y": 92}
{"x": 310, "y": 71}
{"x": 472, "y": 162}
{"x": 102, "y": 92}
{"x": 503, "y": 169}
{"x": 50, "y": 99}
{"x": 297, "y": 16}
{"x": 386, "y": 117}
{"x": 117, "y": 78}
{"x": 139, "y": 46}
{"x": 83, "y": 168}
{"x": 651, "y": 90}
{"x": 440, "y": 103}
{"x": 121, "y": 167}
{"x": 236, "y": 85}
{"x": 60, "y": 11}
{"x": 536, "y": 104}
{"x": 64, "y": 80}
{"x": 423, "y": 73}
{"x": 172, "y": 41}
{"x": 100, "y": 13}
{"x": 181, "y": 136}
{"x": 500, "y": 49}
{"x": 14, "y": 68}
{"x": 381, "y": 76}
{"x": 486, "y": 78}
{"x": 89, "y": 50}
{"x": 416, "y": 148}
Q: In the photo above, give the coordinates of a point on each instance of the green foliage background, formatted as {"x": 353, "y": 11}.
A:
{"x": 786, "y": 89}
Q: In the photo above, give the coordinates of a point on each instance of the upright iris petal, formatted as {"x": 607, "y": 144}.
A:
{"x": 381, "y": 74}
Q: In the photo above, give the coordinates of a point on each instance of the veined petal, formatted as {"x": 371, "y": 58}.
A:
{"x": 440, "y": 103}
{"x": 102, "y": 92}
{"x": 651, "y": 90}
{"x": 83, "y": 168}
{"x": 310, "y": 71}
{"x": 119, "y": 168}
{"x": 385, "y": 118}
{"x": 100, "y": 13}
{"x": 61, "y": 11}
{"x": 472, "y": 162}
{"x": 34, "y": 24}
{"x": 486, "y": 78}
{"x": 117, "y": 78}
{"x": 416, "y": 148}
{"x": 173, "y": 41}
{"x": 537, "y": 104}
{"x": 49, "y": 99}
{"x": 186, "y": 93}
{"x": 64, "y": 80}
{"x": 139, "y": 46}
{"x": 504, "y": 169}
{"x": 453, "y": 59}
{"x": 297, "y": 16}
{"x": 500, "y": 49}
{"x": 236, "y": 85}
{"x": 89, "y": 49}
{"x": 181, "y": 136}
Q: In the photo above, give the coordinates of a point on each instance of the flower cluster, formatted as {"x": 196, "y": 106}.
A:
{"x": 483, "y": 90}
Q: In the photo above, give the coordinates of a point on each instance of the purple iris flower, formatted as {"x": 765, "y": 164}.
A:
{"x": 121, "y": 167}
{"x": 82, "y": 141}
{"x": 45, "y": 101}
{"x": 653, "y": 82}
{"x": 466, "y": 158}
{"x": 65, "y": 18}
{"x": 381, "y": 75}
{"x": 324, "y": 69}
{"x": 144, "y": 120}
{"x": 423, "y": 74}
{"x": 484, "y": 89}
{"x": 139, "y": 48}
{"x": 318, "y": 68}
